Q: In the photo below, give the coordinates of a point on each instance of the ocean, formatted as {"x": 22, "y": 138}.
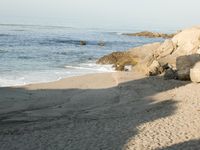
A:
{"x": 35, "y": 54}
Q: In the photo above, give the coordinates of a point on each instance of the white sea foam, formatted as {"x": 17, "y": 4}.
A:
{"x": 119, "y": 33}
{"x": 92, "y": 67}
{"x": 24, "y": 78}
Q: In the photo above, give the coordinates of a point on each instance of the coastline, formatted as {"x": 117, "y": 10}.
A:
{"x": 113, "y": 110}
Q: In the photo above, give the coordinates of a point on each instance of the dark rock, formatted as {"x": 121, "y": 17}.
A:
{"x": 184, "y": 64}
{"x": 83, "y": 42}
{"x": 170, "y": 74}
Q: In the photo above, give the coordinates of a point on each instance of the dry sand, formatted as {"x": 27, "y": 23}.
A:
{"x": 110, "y": 111}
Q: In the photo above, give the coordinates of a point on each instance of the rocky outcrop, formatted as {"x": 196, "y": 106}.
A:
{"x": 151, "y": 34}
{"x": 119, "y": 60}
{"x": 131, "y": 57}
{"x": 195, "y": 73}
{"x": 179, "y": 53}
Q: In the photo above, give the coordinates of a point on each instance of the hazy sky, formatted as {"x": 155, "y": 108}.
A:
{"x": 102, "y": 13}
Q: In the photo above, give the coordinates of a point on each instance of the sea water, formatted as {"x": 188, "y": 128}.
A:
{"x": 33, "y": 54}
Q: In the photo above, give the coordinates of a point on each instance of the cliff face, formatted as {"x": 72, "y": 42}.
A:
{"x": 169, "y": 54}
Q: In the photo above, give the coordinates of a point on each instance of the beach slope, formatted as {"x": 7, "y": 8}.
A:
{"x": 111, "y": 111}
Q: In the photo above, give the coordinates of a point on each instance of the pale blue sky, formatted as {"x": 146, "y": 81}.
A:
{"x": 102, "y": 13}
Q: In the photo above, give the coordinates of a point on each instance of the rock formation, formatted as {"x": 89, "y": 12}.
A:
{"x": 180, "y": 54}
{"x": 119, "y": 60}
{"x": 151, "y": 34}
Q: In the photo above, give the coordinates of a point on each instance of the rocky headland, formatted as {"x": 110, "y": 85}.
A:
{"x": 175, "y": 58}
{"x": 149, "y": 34}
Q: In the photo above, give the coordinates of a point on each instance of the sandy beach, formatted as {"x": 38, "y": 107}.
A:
{"x": 108, "y": 111}
{"x": 99, "y": 75}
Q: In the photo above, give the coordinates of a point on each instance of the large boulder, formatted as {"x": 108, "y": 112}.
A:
{"x": 195, "y": 73}
{"x": 184, "y": 64}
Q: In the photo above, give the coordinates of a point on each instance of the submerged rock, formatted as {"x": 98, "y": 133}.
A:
{"x": 101, "y": 43}
{"x": 83, "y": 42}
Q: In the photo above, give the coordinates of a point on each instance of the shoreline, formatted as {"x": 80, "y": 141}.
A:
{"x": 61, "y": 78}
{"x": 115, "y": 110}
{"x": 68, "y": 81}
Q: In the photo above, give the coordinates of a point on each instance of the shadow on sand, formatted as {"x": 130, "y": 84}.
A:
{"x": 86, "y": 119}
{"x": 189, "y": 145}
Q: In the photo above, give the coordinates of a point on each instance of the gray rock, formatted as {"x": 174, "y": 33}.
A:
{"x": 184, "y": 64}
{"x": 170, "y": 74}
